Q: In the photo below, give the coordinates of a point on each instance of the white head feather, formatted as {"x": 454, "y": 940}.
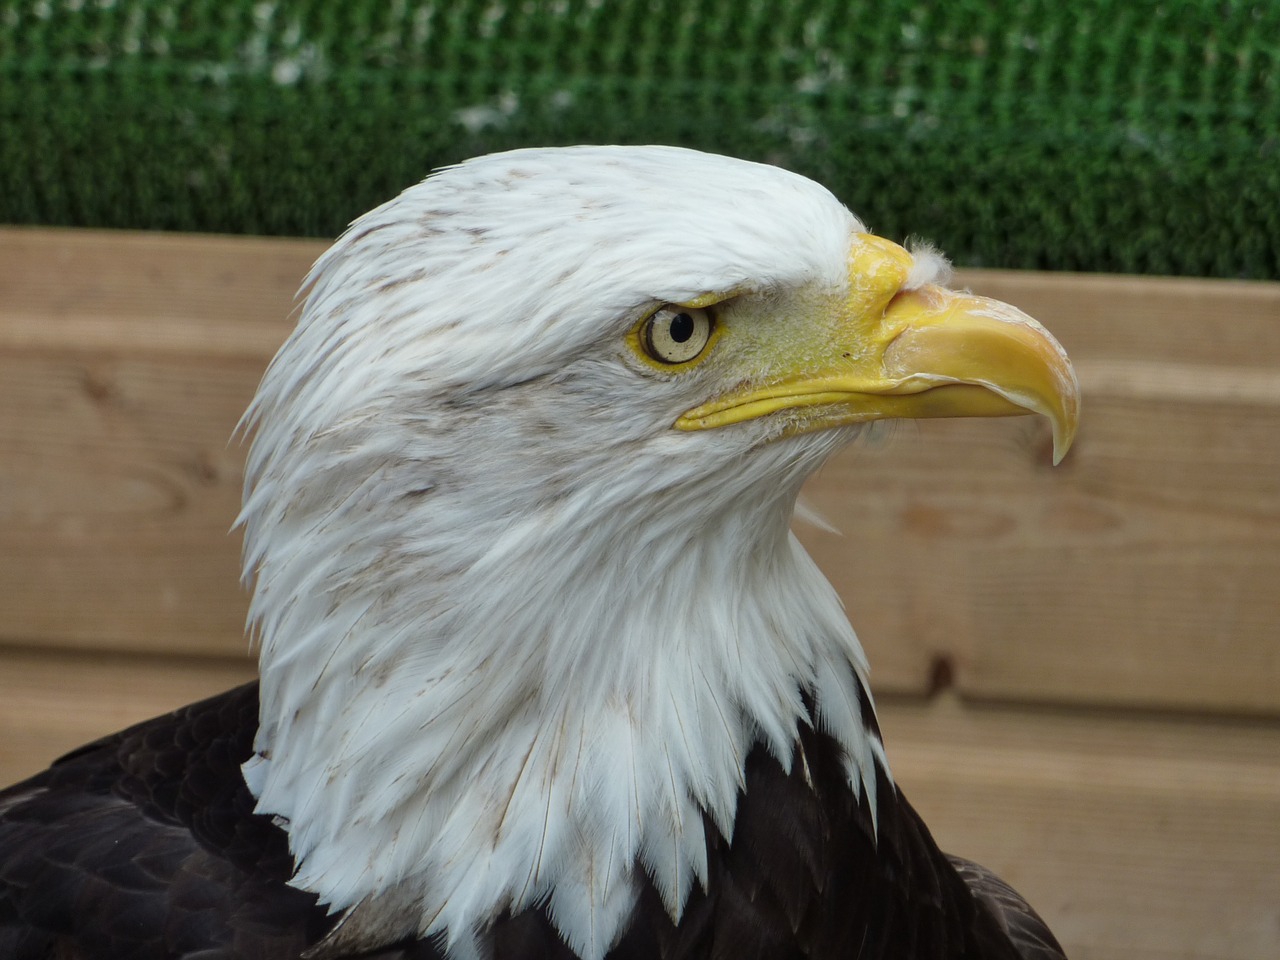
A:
{"x": 516, "y": 632}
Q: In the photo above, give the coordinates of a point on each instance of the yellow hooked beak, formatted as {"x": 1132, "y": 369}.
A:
{"x": 883, "y": 352}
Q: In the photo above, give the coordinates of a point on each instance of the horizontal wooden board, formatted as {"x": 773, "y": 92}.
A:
{"x": 126, "y": 293}
{"x": 1140, "y": 572}
{"x": 119, "y": 492}
{"x": 1142, "y": 837}
{"x": 1207, "y": 324}
{"x": 54, "y": 701}
{"x": 1139, "y": 837}
{"x": 126, "y": 361}
{"x": 1137, "y": 573}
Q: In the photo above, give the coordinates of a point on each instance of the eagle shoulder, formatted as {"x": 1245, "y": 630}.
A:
{"x": 145, "y": 844}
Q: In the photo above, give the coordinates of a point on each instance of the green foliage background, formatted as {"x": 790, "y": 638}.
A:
{"x": 1115, "y": 135}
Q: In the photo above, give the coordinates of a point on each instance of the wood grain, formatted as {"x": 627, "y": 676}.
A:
{"x": 1141, "y": 572}
{"x": 54, "y": 701}
{"x": 126, "y": 361}
{"x": 126, "y": 293}
{"x": 1138, "y": 836}
{"x": 119, "y": 491}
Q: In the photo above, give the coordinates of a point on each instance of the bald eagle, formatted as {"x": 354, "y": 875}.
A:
{"x": 543, "y": 671}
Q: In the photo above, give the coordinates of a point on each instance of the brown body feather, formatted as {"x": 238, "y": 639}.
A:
{"x": 144, "y": 845}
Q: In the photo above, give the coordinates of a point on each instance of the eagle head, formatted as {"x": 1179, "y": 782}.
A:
{"x": 517, "y": 522}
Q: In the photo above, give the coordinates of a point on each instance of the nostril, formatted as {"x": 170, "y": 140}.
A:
{"x": 928, "y": 298}
{"x": 898, "y": 299}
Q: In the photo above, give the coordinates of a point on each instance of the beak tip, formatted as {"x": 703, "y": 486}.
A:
{"x": 1064, "y": 435}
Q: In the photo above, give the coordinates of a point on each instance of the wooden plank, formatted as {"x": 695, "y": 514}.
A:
{"x": 1159, "y": 572}
{"x": 52, "y": 702}
{"x": 1206, "y": 323}
{"x": 125, "y": 293}
{"x": 1138, "y": 836}
{"x": 126, "y": 361}
{"x": 119, "y": 490}
{"x": 910, "y": 510}
{"x": 1140, "y": 572}
{"x": 1155, "y": 563}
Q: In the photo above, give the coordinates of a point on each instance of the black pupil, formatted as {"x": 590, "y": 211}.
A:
{"x": 681, "y": 327}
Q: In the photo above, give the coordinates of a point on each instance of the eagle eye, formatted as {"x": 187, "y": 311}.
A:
{"x": 677, "y": 334}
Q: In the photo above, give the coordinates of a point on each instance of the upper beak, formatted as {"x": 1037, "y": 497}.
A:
{"x": 927, "y": 352}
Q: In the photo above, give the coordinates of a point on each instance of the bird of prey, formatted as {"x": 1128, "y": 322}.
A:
{"x": 543, "y": 671}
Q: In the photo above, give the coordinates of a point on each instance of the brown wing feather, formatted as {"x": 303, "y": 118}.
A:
{"x": 145, "y": 845}
{"x": 1023, "y": 926}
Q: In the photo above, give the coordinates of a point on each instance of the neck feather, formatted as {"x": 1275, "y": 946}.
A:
{"x": 557, "y": 735}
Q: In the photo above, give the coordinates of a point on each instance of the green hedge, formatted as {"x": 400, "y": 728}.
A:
{"x": 1116, "y": 135}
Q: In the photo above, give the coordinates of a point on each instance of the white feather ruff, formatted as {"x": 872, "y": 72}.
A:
{"x": 517, "y": 633}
